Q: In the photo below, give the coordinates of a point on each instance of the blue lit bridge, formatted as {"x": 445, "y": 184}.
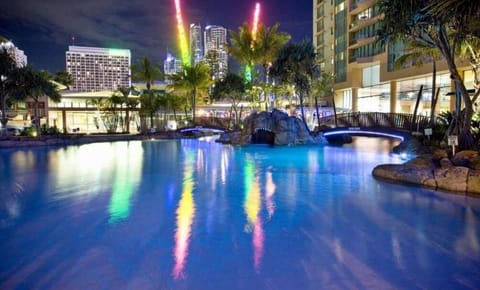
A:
{"x": 376, "y": 124}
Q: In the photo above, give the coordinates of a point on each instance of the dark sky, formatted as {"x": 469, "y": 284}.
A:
{"x": 44, "y": 28}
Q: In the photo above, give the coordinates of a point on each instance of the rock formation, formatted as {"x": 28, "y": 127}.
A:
{"x": 283, "y": 129}
{"x": 436, "y": 170}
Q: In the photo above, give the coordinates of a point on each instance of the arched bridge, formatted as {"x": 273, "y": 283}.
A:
{"x": 392, "y": 125}
{"x": 201, "y": 129}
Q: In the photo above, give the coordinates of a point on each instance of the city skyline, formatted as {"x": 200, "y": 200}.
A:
{"x": 44, "y": 30}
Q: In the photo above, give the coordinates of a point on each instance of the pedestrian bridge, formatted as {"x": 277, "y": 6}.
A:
{"x": 377, "y": 124}
{"x": 201, "y": 129}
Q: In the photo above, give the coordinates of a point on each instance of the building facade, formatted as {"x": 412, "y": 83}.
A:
{"x": 196, "y": 44}
{"x": 366, "y": 79}
{"x": 98, "y": 69}
{"x": 216, "y": 54}
{"x": 172, "y": 65}
{"x": 17, "y": 54}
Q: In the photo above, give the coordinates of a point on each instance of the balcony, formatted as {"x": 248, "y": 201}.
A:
{"x": 360, "y": 23}
{"x": 357, "y": 6}
{"x": 360, "y": 40}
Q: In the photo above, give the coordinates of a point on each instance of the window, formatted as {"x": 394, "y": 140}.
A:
{"x": 371, "y": 76}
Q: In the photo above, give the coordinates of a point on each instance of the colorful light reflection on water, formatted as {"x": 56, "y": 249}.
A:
{"x": 185, "y": 215}
{"x": 195, "y": 214}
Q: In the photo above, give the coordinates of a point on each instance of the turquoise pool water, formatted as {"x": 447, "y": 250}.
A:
{"x": 194, "y": 214}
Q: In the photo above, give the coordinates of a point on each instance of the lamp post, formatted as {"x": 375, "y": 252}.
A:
{"x": 3, "y": 97}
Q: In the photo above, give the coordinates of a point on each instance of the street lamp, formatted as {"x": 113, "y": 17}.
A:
{"x": 3, "y": 98}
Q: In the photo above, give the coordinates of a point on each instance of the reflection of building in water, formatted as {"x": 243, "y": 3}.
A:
{"x": 185, "y": 215}
{"x": 127, "y": 175}
{"x": 252, "y": 207}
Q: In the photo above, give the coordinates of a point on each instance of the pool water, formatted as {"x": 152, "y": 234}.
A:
{"x": 195, "y": 214}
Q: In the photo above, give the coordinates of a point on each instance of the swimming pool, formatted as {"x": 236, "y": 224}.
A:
{"x": 194, "y": 214}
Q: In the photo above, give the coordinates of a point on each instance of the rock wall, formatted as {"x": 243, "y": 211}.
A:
{"x": 461, "y": 173}
{"x": 65, "y": 140}
{"x": 288, "y": 130}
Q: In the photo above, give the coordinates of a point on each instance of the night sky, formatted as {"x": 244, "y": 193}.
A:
{"x": 44, "y": 28}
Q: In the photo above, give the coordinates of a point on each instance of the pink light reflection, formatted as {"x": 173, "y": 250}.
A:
{"x": 258, "y": 244}
{"x": 270, "y": 191}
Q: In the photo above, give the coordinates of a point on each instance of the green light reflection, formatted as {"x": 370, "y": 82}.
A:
{"x": 127, "y": 176}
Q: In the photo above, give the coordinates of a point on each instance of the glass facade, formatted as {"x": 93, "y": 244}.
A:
{"x": 375, "y": 98}
{"x": 407, "y": 92}
{"x": 340, "y": 60}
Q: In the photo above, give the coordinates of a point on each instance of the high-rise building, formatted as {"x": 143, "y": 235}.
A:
{"x": 366, "y": 79}
{"x": 172, "y": 65}
{"x": 98, "y": 69}
{"x": 196, "y": 45}
{"x": 17, "y": 54}
{"x": 216, "y": 55}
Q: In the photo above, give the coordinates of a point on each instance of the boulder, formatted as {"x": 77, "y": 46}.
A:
{"x": 436, "y": 170}
{"x": 452, "y": 178}
{"x": 287, "y": 130}
{"x": 467, "y": 158}
{"x": 473, "y": 181}
{"x": 406, "y": 173}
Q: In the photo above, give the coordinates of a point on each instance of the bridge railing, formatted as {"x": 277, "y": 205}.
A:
{"x": 399, "y": 121}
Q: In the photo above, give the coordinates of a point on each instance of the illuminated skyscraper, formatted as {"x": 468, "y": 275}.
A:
{"x": 196, "y": 45}
{"x": 98, "y": 69}
{"x": 17, "y": 54}
{"x": 172, "y": 65}
{"x": 216, "y": 54}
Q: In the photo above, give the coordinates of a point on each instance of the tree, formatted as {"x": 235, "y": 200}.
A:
{"x": 268, "y": 44}
{"x": 260, "y": 49}
{"x": 130, "y": 104}
{"x": 438, "y": 24}
{"x": 145, "y": 71}
{"x": 242, "y": 48}
{"x": 7, "y": 79}
{"x": 296, "y": 64}
{"x": 418, "y": 53}
{"x": 323, "y": 87}
{"x": 286, "y": 91}
{"x": 174, "y": 103}
{"x": 194, "y": 80}
{"x": 35, "y": 85}
{"x": 63, "y": 78}
{"x": 231, "y": 88}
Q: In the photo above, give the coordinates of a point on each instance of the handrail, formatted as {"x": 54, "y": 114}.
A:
{"x": 398, "y": 121}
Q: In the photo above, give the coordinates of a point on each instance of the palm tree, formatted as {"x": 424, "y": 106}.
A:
{"x": 63, "y": 78}
{"x": 100, "y": 104}
{"x": 296, "y": 64}
{"x": 35, "y": 85}
{"x": 323, "y": 87}
{"x": 444, "y": 29}
{"x": 195, "y": 81}
{"x": 130, "y": 104}
{"x": 466, "y": 11}
{"x": 242, "y": 47}
{"x": 269, "y": 42}
{"x": 174, "y": 103}
{"x": 232, "y": 88}
{"x": 145, "y": 71}
{"x": 261, "y": 49}
{"x": 7, "y": 71}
